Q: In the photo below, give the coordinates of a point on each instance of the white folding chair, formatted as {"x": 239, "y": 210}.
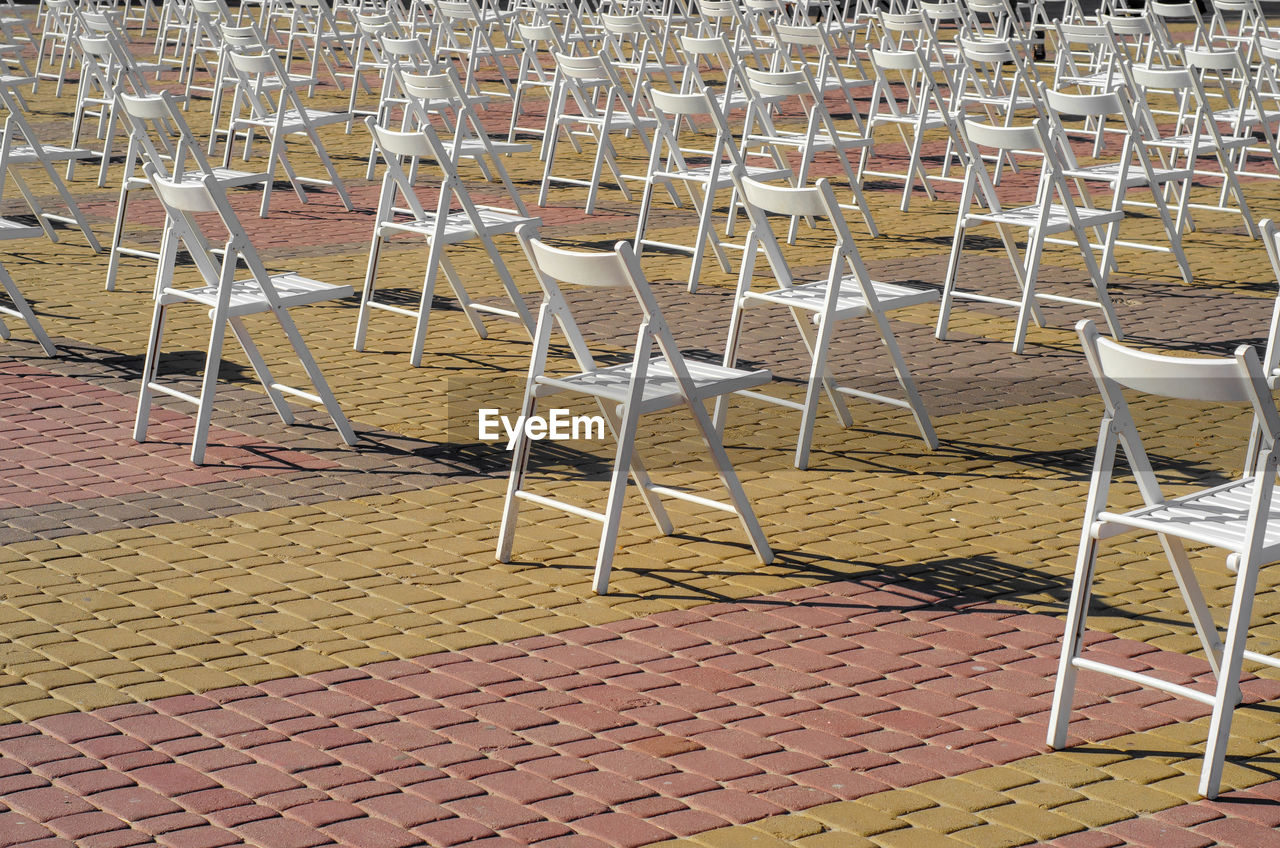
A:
{"x": 911, "y": 31}
{"x": 997, "y": 77}
{"x": 1237, "y": 516}
{"x": 604, "y": 107}
{"x": 465, "y": 33}
{"x": 668, "y": 166}
{"x": 204, "y": 53}
{"x": 923, "y": 111}
{"x": 845, "y": 292}
{"x": 1230, "y": 85}
{"x": 266, "y": 100}
{"x": 640, "y": 47}
{"x": 795, "y": 91}
{"x": 727, "y": 82}
{"x": 1250, "y": 23}
{"x": 1194, "y": 136}
{"x": 368, "y": 55}
{"x": 1133, "y": 168}
{"x": 1083, "y": 58}
{"x": 21, "y": 310}
{"x": 407, "y": 55}
{"x": 440, "y": 95}
{"x": 228, "y": 300}
{"x": 538, "y": 43}
{"x": 311, "y": 28}
{"x": 1053, "y": 212}
{"x": 106, "y": 65}
{"x": 1171, "y": 22}
{"x": 811, "y": 46}
{"x": 20, "y": 147}
{"x": 440, "y": 229}
{"x": 159, "y": 136}
{"x": 650, "y": 382}
{"x": 57, "y": 42}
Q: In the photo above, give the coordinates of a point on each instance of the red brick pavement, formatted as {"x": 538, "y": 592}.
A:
{"x": 65, "y": 440}
{"x": 620, "y": 735}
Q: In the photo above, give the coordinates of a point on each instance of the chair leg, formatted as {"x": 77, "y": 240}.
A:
{"x": 642, "y": 223}
{"x": 618, "y": 484}
{"x": 1227, "y": 693}
{"x": 117, "y": 236}
{"x": 908, "y": 383}
{"x": 366, "y": 296}
{"x": 949, "y": 281}
{"x": 334, "y": 179}
{"x": 23, "y": 310}
{"x": 454, "y": 279}
{"x": 1035, "y": 248}
{"x": 720, "y": 459}
{"x": 706, "y": 235}
{"x": 434, "y": 255}
{"x": 208, "y": 387}
{"x": 321, "y": 385}
{"x": 552, "y": 136}
{"x": 819, "y": 345}
{"x": 277, "y": 142}
{"x": 261, "y": 370}
{"x": 520, "y": 453}
{"x": 1072, "y": 639}
{"x": 1100, "y": 273}
{"x": 509, "y": 283}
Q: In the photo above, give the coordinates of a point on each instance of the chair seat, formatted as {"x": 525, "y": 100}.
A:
{"x": 458, "y": 226}
{"x": 26, "y": 155}
{"x": 230, "y": 177}
{"x": 1110, "y": 172}
{"x": 1246, "y": 117}
{"x": 820, "y": 141}
{"x": 617, "y": 123}
{"x": 904, "y": 117}
{"x": 293, "y": 122}
{"x": 1017, "y": 104}
{"x": 1102, "y": 80}
{"x": 1058, "y": 220}
{"x": 1216, "y": 516}
{"x": 1205, "y": 144}
{"x": 473, "y": 148}
{"x": 850, "y": 303}
{"x": 247, "y": 297}
{"x": 660, "y": 390}
{"x": 702, "y": 174}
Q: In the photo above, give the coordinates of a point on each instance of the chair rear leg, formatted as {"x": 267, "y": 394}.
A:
{"x": 261, "y": 370}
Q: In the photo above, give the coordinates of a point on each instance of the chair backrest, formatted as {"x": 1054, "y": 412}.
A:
{"x": 619, "y": 268}
{"x": 818, "y": 202}
{"x": 1237, "y": 379}
{"x": 908, "y": 71}
{"x": 160, "y": 136}
{"x": 668, "y": 110}
{"x": 187, "y": 206}
{"x": 1036, "y": 138}
{"x": 777, "y": 85}
{"x": 262, "y": 84}
{"x": 1166, "y": 18}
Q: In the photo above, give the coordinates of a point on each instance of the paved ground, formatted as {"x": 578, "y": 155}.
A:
{"x": 302, "y": 644}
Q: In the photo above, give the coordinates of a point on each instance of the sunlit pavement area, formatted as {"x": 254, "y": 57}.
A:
{"x": 303, "y": 644}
